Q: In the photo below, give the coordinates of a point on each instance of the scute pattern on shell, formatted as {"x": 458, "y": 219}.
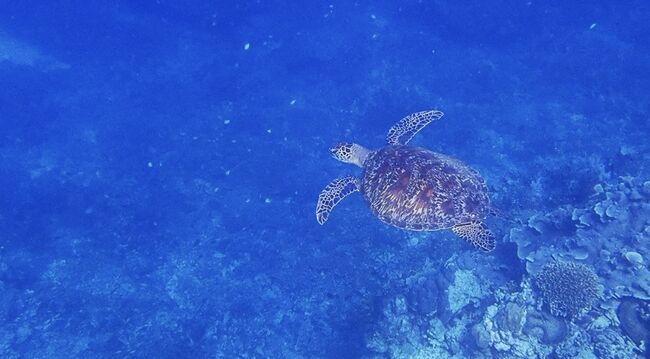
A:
{"x": 417, "y": 189}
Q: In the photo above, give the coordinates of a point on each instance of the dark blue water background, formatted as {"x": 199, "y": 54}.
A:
{"x": 160, "y": 160}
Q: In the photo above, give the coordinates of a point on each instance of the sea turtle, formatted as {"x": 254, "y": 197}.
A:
{"x": 413, "y": 188}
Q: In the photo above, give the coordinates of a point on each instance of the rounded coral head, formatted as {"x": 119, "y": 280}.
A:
{"x": 569, "y": 288}
{"x": 350, "y": 153}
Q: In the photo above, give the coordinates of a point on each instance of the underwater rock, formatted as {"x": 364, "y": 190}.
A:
{"x": 600, "y": 323}
{"x": 545, "y": 327}
{"x": 634, "y": 315}
{"x": 569, "y": 289}
{"x": 395, "y": 335}
{"x": 422, "y": 297}
{"x": 605, "y": 255}
{"x": 609, "y": 344}
{"x": 501, "y": 329}
{"x": 512, "y": 317}
{"x": 646, "y": 188}
{"x": 481, "y": 334}
{"x": 401, "y": 335}
{"x": 443, "y": 341}
{"x": 577, "y": 345}
{"x": 464, "y": 290}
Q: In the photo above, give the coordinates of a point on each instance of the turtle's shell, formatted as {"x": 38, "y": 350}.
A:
{"x": 417, "y": 189}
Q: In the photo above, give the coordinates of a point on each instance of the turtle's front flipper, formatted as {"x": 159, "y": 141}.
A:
{"x": 402, "y": 132}
{"x": 477, "y": 234}
{"x": 333, "y": 194}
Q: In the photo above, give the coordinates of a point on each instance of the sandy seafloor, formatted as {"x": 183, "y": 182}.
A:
{"x": 160, "y": 162}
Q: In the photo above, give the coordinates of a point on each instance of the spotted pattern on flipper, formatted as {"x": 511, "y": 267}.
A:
{"x": 333, "y": 193}
{"x": 416, "y": 189}
{"x": 403, "y": 131}
{"x": 477, "y": 234}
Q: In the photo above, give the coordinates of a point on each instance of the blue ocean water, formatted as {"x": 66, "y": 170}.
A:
{"x": 160, "y": 163}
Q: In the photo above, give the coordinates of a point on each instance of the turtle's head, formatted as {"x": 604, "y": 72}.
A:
{"x": 350, "y": 153}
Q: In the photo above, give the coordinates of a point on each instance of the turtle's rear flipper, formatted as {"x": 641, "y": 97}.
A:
{"x": 333, "y": 194}
{"x": 477, "y": 234}
{"x": 403, "y": 131}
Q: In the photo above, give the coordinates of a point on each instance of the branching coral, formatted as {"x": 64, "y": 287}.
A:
{"x": 568, "y": 288}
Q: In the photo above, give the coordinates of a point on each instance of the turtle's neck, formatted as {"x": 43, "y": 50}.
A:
{"x": 359, "y": 154}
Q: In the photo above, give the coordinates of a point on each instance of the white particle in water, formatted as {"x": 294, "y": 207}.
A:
{"x": 293, "y": 102}
{"x": 149, "y": 164}
{"x": 247, "y": 46}
{"x": 225, "y": 122}
{"x": 268, "y": 200}
{"x": 592, "y": 26}
{"x": 268, "y": 131}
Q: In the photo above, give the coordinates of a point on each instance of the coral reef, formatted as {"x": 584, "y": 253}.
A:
{"x": 401, "y": 334}
{"x": 461, "y": 307}
{"x": 397, "y": 334}
{"x": 568, "y": 288}
{"x": 501, "y": 327}
{"x": 609, "y": 233}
